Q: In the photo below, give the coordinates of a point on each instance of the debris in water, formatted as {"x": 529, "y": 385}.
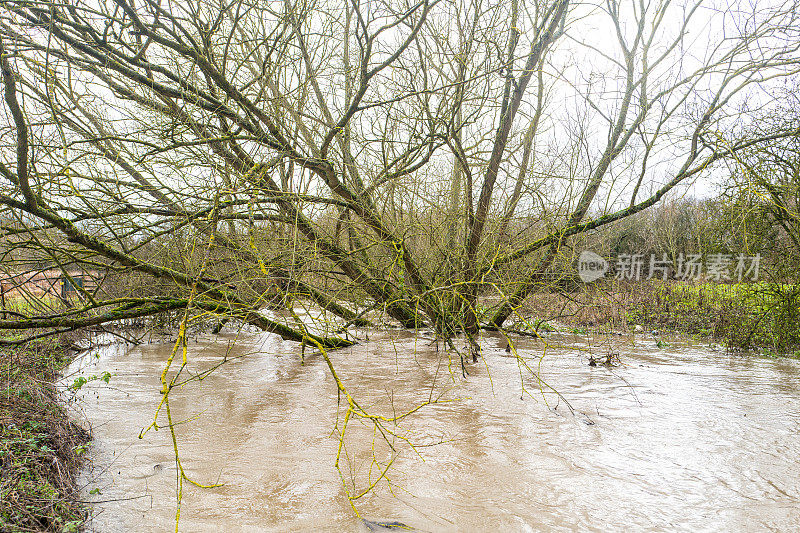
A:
{"x": 386, "y": 526}
{"x": 609, "y": 359}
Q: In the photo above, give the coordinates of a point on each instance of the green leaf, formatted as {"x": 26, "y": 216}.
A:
{"x": 78, "y": 383}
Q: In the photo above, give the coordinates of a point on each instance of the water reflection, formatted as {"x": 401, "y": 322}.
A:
{"x": 679, "y": 437}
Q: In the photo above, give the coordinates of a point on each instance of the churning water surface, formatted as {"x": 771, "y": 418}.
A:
{"x": 678, "y": 437}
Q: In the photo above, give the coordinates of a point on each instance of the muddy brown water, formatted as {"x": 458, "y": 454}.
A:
{"x": 679, "y": 437}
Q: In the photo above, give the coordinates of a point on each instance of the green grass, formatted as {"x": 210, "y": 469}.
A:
{"x": 748, "y": 316}
{"x": 30, "y": 303}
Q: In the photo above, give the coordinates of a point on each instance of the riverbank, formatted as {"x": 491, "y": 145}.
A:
{"x": 763, "y": 316}
{"x": 41, "y": 449}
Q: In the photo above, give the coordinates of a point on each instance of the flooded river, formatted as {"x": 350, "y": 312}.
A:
{"x": 678, "y": 437}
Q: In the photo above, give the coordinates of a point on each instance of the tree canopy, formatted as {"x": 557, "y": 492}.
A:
{"x": 374, "y": 159}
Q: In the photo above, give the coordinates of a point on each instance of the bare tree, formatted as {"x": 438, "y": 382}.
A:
{"x": 360, "y": 157}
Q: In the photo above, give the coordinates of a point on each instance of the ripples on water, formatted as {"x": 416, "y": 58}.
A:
{"x": 677, "y": 438}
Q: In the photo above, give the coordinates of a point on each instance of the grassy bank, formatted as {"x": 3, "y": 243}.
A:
{"x": 40, "y": 448}
{"x": 761, "y": 316}
{"x": 744, "y": 316}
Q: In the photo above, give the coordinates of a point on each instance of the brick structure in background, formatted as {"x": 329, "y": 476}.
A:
{"x": 49, "y": 282}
